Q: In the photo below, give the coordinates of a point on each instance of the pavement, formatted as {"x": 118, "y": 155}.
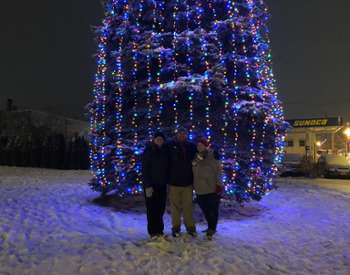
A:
{"x": 340, "y": 185}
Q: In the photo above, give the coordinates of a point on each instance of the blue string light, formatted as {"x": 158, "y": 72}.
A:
{"x": 158, "y": 67}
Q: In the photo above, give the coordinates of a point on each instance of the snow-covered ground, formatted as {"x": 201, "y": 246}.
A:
{"x": 49, "y": 224}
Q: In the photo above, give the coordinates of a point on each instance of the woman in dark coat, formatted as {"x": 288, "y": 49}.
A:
{"x": 155, "y": 171}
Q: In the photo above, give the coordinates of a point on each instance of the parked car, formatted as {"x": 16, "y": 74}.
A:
{"x": 334, "y": 166}
{"x": 293, "y": 165}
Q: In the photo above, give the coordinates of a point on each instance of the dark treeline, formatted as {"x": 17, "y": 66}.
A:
{"x": 53, "y": 151}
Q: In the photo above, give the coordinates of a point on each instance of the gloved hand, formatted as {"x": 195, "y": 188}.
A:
{"x": 149, "y": 192}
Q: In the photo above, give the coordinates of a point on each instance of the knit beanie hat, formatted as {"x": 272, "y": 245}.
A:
{"x": 204, "y": 141}
{"x": 182, "y": 130}
{"x": 159, "y": 134}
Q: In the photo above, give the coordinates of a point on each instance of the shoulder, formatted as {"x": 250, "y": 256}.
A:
{"x": 213, "y": 155}
{"x": 148, "y": 148}
{"x": 172, "y": 145}
{"x": 192, "y": 146}
{"x": 166, "y": 148}
{"x": 216, "y": 154}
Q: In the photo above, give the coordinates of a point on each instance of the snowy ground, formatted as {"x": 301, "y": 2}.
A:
{"x": 49, "y": 224}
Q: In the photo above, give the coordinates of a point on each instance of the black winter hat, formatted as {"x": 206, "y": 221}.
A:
{"x": 159, "y": 134}
{"x": 182, "y": 130}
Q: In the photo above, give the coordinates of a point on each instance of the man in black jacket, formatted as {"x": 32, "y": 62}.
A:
{"x": 182, "y": 153}
{"x": 155, "y": 171}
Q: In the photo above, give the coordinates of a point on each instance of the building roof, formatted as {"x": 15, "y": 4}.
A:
{"x": 24, "y": 122}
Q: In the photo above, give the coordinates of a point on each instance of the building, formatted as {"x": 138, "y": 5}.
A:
{"x": 31, "y": 122}
{"x": 310, "y": 137}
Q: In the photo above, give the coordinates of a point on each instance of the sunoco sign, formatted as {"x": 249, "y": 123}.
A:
{"x": 315, "y": 122}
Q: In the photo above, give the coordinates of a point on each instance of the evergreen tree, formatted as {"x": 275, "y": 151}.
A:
{"x": 201, "y": 64}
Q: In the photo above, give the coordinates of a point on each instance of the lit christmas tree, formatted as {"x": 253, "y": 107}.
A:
{"x": 201, "y": 64}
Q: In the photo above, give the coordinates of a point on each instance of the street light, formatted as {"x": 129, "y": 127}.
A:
{"x": 347, "y": 132}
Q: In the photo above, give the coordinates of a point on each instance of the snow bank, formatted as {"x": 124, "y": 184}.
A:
{"x": 49, "y": 224}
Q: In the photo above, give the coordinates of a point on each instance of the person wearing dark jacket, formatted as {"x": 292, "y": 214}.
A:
{"x": 182, "y": 153}
{"x": 155, "y": 171}
{"x": 207, "y": 184}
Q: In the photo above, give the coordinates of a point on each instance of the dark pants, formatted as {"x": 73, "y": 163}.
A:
{"x": 155, "y": 210}
{"x": 209, "y": 203}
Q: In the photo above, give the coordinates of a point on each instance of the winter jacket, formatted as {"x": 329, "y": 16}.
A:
{"x": 206, "y": 172}
{"x": 181, "y": 156}
{"x": 155, "y": 165}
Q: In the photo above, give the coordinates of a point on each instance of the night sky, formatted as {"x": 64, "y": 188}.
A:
{"x": 46, "y": 55}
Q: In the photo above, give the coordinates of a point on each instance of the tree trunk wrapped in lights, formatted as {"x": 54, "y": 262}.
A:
{"x": 201, "y": 64}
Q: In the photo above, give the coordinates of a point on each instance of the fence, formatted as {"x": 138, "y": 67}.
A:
{"x": 52, "y": 151}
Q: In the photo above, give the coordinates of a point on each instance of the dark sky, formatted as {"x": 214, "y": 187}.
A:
{"x": 46, "y": 54}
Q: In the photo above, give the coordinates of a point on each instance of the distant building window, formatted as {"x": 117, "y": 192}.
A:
{"x": 290, "y": 143}
{"x": 302, "y": 143}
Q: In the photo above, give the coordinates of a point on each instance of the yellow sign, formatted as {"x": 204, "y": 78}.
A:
{"x": 315, "y": 122}
{"x": 310, "y": 122}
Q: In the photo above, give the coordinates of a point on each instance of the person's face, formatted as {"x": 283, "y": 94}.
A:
{"x": 181, "y": 136}
{"x": 201, "y": 147}
{"x": 159, "y": 141}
